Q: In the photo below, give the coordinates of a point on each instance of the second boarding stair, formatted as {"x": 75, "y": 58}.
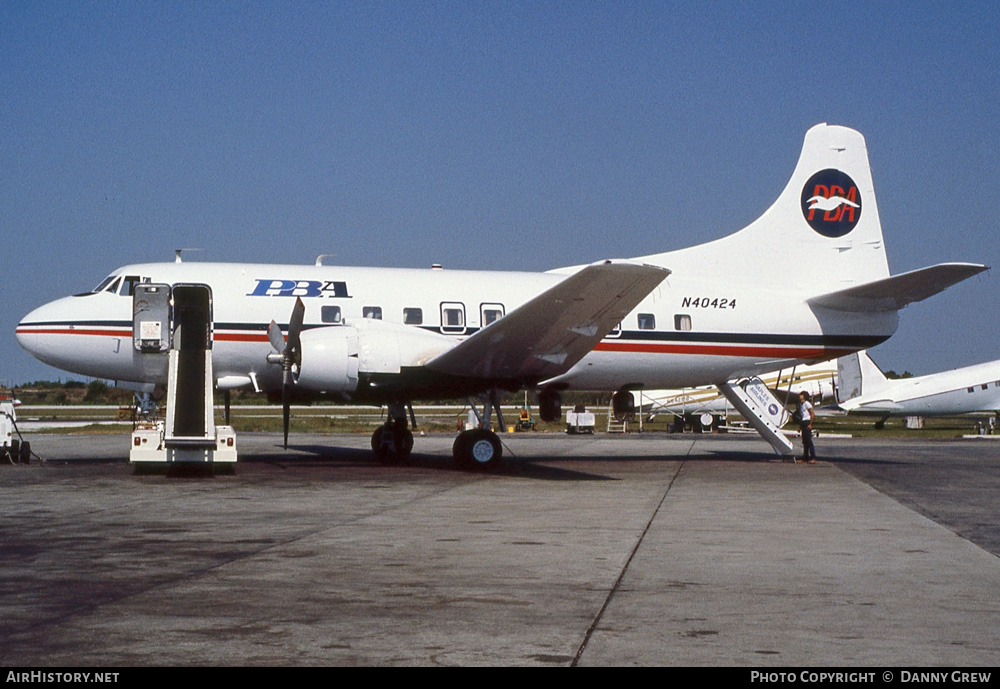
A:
{"x": 760, "y": 408}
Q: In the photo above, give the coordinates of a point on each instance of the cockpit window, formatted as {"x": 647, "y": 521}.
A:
{"x": 103, "y": 287}
{"x": 104, "y": 283}
{"x": 128, "y": 288}
{"x": 117, "y": 284}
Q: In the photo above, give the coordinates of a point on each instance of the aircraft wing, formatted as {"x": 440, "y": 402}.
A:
{"x": 547, "y": 335}
{"x": 893, "y": 293}
{"x": 882, "y": 405}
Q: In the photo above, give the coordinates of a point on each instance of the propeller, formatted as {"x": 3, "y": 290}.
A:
{"x": 288, "y": 353}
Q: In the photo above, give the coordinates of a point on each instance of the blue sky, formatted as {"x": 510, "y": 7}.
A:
{"x": 501, "y": 135}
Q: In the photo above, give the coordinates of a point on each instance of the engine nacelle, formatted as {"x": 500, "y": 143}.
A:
{"x": 623, "y": 405}
{"x": 329, "y": 359}
{"x": 549, "y": 406}
{"x": 333, "y": 357}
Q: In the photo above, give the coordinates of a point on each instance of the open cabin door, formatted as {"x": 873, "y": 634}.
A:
{"x": 191, "y": 381}
{"x": 151, "y": 318}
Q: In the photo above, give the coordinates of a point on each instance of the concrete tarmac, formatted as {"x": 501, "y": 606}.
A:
{"x": 601, "y": 550}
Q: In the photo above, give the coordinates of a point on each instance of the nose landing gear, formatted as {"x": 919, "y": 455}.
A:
{"x": 393, "y": 442}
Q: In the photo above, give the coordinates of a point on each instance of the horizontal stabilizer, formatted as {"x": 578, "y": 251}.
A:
{"x": 893, "y": 293}
{"x": 547, "y": 335}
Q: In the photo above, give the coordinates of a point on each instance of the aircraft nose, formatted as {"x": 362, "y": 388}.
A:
{"x": 30, "y": 330}
{"x": 87, "y": 334}
{"x": 41, "y": 332}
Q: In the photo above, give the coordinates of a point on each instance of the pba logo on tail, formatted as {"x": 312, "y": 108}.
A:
{"x": 831, "y": 203}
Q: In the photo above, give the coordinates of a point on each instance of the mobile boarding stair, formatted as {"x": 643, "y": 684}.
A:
{"x": 173, "y": 326}
{"x": 760, "y": 408}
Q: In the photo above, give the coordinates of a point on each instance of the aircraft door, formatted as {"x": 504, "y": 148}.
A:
{"x": 151, "y": 331}
{"x": 192, "y": 317}
{"x": 191, "y": 389}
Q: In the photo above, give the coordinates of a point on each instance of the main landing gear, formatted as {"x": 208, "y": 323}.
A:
{"x": 480, "y": 448}
{"x": 477, "y": 449}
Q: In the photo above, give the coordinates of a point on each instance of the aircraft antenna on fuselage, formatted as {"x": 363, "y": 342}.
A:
{"x": 177, "y": 254}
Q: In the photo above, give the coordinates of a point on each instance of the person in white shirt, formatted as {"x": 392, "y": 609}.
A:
{"x": 806, "y": 416}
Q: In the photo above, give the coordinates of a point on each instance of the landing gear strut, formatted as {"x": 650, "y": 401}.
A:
{"x": 480, "y": 448}
{"x": 393, "y": 442}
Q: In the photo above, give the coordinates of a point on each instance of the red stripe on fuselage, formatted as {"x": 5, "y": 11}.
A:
{"x": 793, "y": 351}
{"x": 75, "y": 331}
{"x": 796, "y": 351}
{"x": 240, "y": 337}
{"x": 228, "y": 337}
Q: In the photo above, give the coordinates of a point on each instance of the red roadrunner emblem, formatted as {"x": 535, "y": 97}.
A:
{"x": 831, "y": 203}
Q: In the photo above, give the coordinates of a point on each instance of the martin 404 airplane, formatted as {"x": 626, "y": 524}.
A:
{"x": 729, "y": 308}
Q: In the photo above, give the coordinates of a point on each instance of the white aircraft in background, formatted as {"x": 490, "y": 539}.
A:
{"x": 819, "y": 380}
{"x": 864, "y": 389}
{"x": 730, "y": 308}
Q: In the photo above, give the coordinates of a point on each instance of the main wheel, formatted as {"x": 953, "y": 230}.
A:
{"x": 478, "y": 449}
{"x": 25, "y": 452}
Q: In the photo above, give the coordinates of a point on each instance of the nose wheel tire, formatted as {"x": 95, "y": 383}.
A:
{"x": 392, "y": 445}
{"x": 478, "y": 449}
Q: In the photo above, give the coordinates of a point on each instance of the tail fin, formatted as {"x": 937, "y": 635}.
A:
{"x": 823, "y": 232}
{"x": 858, "y": 375}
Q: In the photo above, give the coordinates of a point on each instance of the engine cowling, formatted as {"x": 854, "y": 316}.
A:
{"x": 549, "y": 405}
{"x": 333, "y": 357}
{"x": 623, "y": 405}
{"x": 329, "y": 359}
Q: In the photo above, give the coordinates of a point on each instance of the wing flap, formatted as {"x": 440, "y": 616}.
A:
{"x": 547, "y": 335}
{"x": 893, "y": 293}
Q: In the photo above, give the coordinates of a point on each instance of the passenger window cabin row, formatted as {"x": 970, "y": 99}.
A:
{"x": 453, "y": 317}
{"x": 452, "y": 313}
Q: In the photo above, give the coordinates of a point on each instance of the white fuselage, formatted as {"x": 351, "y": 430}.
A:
{"x": 686, "y": 332}
{"x": 961, "y": 391}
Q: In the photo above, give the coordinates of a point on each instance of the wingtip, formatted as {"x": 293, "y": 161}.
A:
{"x": 632, "y": 262}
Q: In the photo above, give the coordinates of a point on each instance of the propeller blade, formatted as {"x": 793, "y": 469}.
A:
{"x": 286, "y": 376}
{"x": 294, "y": 330}
{"x": 288, "y": 353}
{"x": 275, "y": 337}
{"x": 285, "y": 410}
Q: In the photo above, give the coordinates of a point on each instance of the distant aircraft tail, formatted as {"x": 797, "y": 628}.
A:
{"x": 858, "y": 375}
